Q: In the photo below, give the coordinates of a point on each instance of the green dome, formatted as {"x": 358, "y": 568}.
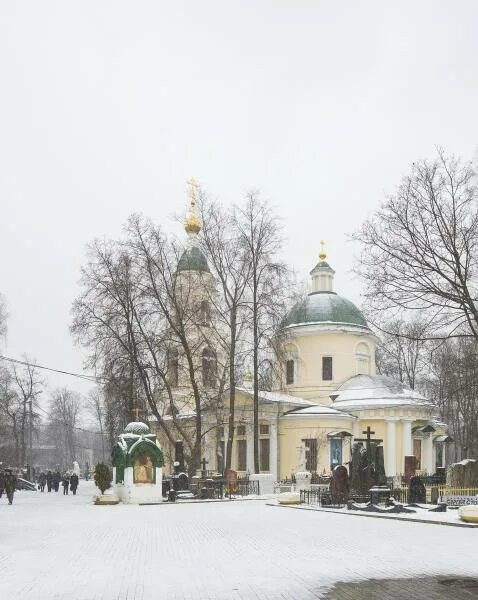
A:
{"x": 193, "y": 259}
{"x": 137, "y": 427}
{"x": 325, "y": 307}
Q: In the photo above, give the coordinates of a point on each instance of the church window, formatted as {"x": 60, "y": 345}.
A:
{"x": 362, "y": 358}
{"x": 264, "y": 429}
{"x": 209, "y": 368}
{"x": 264, "y": 454}
{"x": 310, "y": 446}
{"x": 327, "y": 368}
{"x": 289, "y": 372}
{"x": 241, "y": 455}
{"x": 241, "y": 430}
{"x": 204, "y": 313}
{"x": 173, "y": 367}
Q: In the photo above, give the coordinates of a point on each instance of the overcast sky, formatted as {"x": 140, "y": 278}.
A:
{"x": 106, "y": 108}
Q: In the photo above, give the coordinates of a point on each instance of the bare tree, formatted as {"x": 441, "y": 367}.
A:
{"x": 261, "y": 237}
{"x": 453, "y": 386}
{"x": 419, "y": 251}
{"x": 231, "y": 265}
{"x": 28, "y": 385}
{"x": 96, "y": 406}
{"x": 134, "y": 306}
{"x": 63, "y": 421}
{"x": 403, "y": 352}
{"x": 11, "y": 408}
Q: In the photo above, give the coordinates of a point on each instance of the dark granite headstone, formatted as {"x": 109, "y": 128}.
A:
{"x": 339, "y": 486}
{"x": 417, "y": 494}
{"x": 180, "y": 482}
{"x": 179, "y": 455}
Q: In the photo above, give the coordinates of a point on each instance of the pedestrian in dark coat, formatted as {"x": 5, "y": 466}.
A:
{"x": 2, "y": 483}
{"x": 42, "y": 481}
{"x": 49, "y": 480}
{"x": 74, "y": 483}
{"x": 10, "y": 484}
{"x": 65, "y": 483}
{"x": 56, "y": 480}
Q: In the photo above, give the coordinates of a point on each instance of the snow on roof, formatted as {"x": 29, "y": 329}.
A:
{"x": 376, "y": 391}
{"x": 318, "y": 411}
{"x": 275, "y": 397}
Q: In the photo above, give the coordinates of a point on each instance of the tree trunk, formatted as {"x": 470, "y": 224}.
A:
{"x": 255, "y": 359}
{"x": 232, "y": 389}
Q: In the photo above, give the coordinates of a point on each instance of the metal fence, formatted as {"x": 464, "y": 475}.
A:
{"x": 322, "y": 498}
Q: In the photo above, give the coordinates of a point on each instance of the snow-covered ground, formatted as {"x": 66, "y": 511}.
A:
{"x": 52, "y": 546}
{"x": 450, "y": 517}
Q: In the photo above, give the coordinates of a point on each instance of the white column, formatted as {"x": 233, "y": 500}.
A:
{"x": 427, "y": 465}
{"x": 356, "y": 428}
{"x": 391, "y": 448}
{"x": 273, "y": 451}
{"x": 250, "y": 448}
{"x": 407, "y": 446}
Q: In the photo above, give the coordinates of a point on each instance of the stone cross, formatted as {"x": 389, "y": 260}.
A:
{"x": 204, "y": 462}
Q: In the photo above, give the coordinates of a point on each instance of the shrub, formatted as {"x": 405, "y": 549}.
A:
{"x": 102, "y": 477}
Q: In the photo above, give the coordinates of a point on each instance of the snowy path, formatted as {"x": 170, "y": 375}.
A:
{"x": 53, "y": 546}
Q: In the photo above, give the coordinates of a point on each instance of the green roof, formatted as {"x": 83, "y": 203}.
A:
{"x": 193, "y": 259}
{"x": 325, "y": 307}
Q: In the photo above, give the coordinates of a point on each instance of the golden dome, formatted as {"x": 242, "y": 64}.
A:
{"x": 323, "y": 253}
{"x": 192, "y": 223}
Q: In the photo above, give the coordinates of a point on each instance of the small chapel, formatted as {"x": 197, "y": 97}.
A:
{"x": 329, "y": 394}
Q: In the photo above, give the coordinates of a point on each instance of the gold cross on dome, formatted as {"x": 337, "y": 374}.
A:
{"x": 194, "y": 187}
{"x": 137, "y": 411}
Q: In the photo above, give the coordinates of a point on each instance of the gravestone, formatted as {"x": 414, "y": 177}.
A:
{"x": 339, "y": 486}
{"x": 179, "y": 456}
{"x": 231, "y": 481}
{"x": 181, "y": 482}
{"x": 137, "y": 465}
{"x": 417, "y": 493}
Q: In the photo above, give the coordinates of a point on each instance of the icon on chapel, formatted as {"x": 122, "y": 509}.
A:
{"x": 143, "y": 469}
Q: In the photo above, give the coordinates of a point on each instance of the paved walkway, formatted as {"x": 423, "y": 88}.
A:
{"x": 56, "y": 547}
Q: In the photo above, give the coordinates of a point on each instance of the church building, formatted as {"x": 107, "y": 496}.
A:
{"x": 329, "y": 394}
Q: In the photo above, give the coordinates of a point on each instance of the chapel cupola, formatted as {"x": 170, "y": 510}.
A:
{"x": 322, "y": 274}
{"x": 192, "y": 224}
{"x": 192, "y": 259}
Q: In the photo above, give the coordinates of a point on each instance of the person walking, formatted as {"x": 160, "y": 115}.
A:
{"x": 41, "y": 481}
{"x": 2, "y": 483}
{"x": 10, "y": 484}
{"x": 65, "y": 483}
{"x": 49, "y": 480}
{"x": 56, "y": 481}
{"x": 74, "y": 483}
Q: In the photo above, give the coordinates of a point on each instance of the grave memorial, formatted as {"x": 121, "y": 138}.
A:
{"x": 137, "y": 465}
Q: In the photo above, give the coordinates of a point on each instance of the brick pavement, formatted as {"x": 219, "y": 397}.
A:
{"x": 65, "y": 548}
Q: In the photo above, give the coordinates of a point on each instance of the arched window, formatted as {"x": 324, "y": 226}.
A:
{"x": 362, "y": 359}
{"x": 173, "y": 367}
{"x": 209, "y": 368}
{"x": 204, "y": 313}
